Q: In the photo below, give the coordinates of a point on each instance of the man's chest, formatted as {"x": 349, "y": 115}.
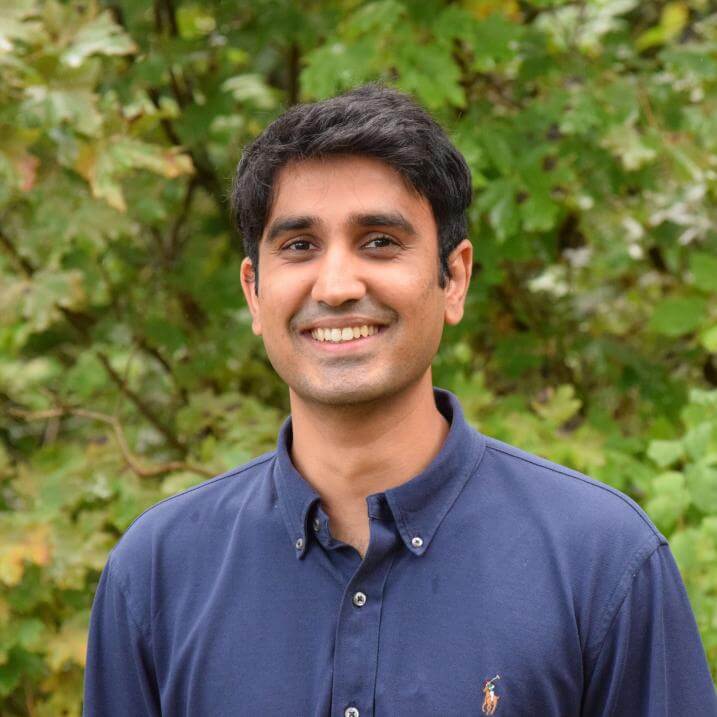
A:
{"x": 400, "y": 636}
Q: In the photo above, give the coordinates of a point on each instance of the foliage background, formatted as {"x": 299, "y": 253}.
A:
{"x": 128, "y": 370}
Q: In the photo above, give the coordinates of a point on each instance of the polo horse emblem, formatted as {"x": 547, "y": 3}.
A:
{"x": 490, "y": 698}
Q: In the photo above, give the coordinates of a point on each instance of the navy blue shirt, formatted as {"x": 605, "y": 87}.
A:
{"x": 495, "y": 582}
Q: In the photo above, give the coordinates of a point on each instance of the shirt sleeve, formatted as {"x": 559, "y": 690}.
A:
{"x": 651, "y": 662}
{"x": 119, "y": 680}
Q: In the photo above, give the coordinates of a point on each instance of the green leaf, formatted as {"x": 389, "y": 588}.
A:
{"x": 86, "y": 377}
{"x": 250, "y": 87}
{"x": 539, "y": 212}
{"x": 697, "y": 441}
{"x": 703, "y": 267}
{"x": 498, "y": 199}
{"x": 670, "y": 500}
{"x": 695, "y": 60}
{"x": 708, "y": 338}
{"x": 665, "y": 453}
{"x": 560, "y": 405}
{"x": 374, "y": 17}
{"x": 20, "y": 664}
{"x": 430, "y": 72}
{"x": 702, "y": 484}
{"x": 496, "y": 145}
{"x": 629, "y": 146}
{"x": 194, "y": 21}
{"x": 99, "y": 36}
{"x": 494, "y": 42}
{"x": 337, "y": 66}
{"x": 676, "y": 316}
{"x": 38, "y": 300}
{"x": 106, "y": 163}
{"x": 51, "y": 107}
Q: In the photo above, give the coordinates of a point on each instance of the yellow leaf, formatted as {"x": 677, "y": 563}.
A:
{"x": 32, "y": 547}
{"x": 70, "y": 643}
{"x": 673, "y": 18}
{"x": 481, "y": 9}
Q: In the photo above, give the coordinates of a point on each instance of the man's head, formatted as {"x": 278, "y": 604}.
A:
{"x": 353, "y": 212}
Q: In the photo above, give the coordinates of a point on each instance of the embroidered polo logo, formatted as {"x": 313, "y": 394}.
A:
{"x": 490, "y": 698}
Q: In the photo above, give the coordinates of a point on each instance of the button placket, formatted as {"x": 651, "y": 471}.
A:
{"x": 357, "y": 630}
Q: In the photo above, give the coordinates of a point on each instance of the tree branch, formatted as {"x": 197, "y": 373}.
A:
{"x": 25, "y": 265}
{"x": 142, "y": 342}
{"x": 142, "y": 407}
{"x": 294, "y": 71}
{"x": 133, "y": 461}
{"x": 174, "y": 245}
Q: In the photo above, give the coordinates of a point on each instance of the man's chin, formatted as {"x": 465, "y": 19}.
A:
{"x": 342, "y": 393}
{"x": 352, "y": 390}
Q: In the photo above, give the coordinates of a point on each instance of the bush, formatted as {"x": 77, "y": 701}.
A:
{"x": 128, "y": 369}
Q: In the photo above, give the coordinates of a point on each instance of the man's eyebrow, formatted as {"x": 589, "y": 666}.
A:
{"x": 288, "y": 224}
{"x": 393, "y": 220}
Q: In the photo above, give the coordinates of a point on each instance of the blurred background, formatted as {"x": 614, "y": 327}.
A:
{"x": 128, "y": 369}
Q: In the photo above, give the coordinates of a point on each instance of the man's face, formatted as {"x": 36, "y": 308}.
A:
{"x": 347, "y": 245}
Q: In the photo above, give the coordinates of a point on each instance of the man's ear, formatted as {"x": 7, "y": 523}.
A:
{"x": 460, "y": 263}
{"x": 248, "y": 282}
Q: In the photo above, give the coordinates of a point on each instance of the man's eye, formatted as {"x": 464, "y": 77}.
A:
{"x": 299, "y": 246}
{"x": 288, "y": 246}
{"x": 382, "y": 239}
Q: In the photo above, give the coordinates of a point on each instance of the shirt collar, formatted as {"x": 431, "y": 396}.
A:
{"x": 418, "y": 505}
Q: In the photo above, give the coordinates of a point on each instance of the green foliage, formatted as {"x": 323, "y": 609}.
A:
{"x": 128, "y": 369}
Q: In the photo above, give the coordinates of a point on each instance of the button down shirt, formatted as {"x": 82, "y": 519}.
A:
{"x": 495, "y": 582}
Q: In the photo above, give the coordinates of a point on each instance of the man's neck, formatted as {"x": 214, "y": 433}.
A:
{"x": 346, "y": 455}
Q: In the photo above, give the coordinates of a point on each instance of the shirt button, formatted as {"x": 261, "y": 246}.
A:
{"x": 417, "y": 542}
{"x": 299, "y": 544}
{"x": 351, "y": 712}
{"x": 359, "y": 599}
{"x": 317, "y": 525}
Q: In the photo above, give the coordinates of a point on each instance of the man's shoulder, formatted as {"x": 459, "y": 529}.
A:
{"x": 210, "y": 505}
{"x": 565, "y": 498}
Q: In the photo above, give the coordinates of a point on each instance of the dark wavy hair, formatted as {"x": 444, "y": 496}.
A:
{"x": 371, "y": 120}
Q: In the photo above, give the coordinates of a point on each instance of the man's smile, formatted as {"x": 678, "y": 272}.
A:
{"x": 338, "y": 340}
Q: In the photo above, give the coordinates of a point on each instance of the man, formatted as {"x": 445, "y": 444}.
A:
{"x": 386, "y": 559}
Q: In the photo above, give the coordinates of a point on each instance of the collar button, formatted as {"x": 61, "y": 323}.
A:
{"x": 417, "y": 541}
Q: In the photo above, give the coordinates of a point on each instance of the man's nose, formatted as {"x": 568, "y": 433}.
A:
{"x": 338, "y": 277}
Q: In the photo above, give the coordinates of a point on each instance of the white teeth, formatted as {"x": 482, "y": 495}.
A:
{"x": 348, "y": 333}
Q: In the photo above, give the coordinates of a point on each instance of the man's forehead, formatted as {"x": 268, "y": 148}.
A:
{"x": 344, "y": 186}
